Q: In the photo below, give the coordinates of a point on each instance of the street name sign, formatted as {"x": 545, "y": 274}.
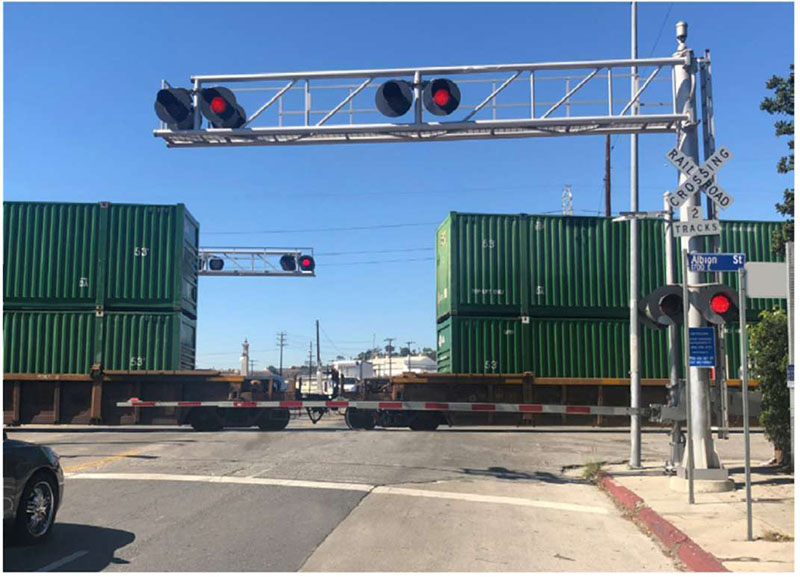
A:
{"x": 716, "y": 261}
{"x": 702, "y": 352}
{"x": 696, "y": 228}
{"x": 699, "y": 177}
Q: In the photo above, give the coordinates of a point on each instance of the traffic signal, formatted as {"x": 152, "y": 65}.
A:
{"x": 441, "y": 96}
{"x": 216, "y": 264}
{"x": 306, "y": 263}
{"x": 288, "y": 263}
{"x": 174, "y": 107}
{"x": 717, "y": 303}
{"x": 220, "y": 107}
{"x": 394, "y": 98}
{"x": 663, "y": 307}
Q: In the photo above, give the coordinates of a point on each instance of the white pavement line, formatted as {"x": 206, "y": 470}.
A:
{"x": 364, "y": 488}
{"x": 64, "y": 561}
{"x": 225, "y": 479}
{"x": 488, "y": 499}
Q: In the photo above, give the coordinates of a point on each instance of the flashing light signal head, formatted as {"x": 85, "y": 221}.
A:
{"x": 394, "y": 98}
{"x": 216, "y": 264}
{"x": 663, "y": 307}
{"x": 717, "y": 303}
{"x": 306, "y": 263}
{"x": 288, "y": 263}
{"x": 174, "y": 107}
{"x": 219, "y": 106}
{"x": 441, "y": 96}
{"x": 720, "y": 303}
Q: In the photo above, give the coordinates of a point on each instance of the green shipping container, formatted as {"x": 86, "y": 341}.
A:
{"x": 563, "y": 266}
{"x": 111, "y": 256}
{"x": 478, "y": 263}
{"x": 556, "y": 347}
{"x": 483, "y": 345}
{"x": 71, "y": 342}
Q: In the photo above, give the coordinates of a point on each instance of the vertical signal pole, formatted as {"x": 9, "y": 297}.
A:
{"x": 707, "y": 465}
{"x": 709, "y": 147}
{"x": 636, "y": 423}
{"x": 674, "y": 341}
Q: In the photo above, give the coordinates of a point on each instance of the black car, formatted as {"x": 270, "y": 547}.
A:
{"x": 33, "y": 485}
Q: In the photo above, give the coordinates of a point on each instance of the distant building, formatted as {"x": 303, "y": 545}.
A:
{"x": 400, "y": 365}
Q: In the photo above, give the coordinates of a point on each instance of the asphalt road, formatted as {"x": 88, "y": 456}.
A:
{"x": 324, "y": 498}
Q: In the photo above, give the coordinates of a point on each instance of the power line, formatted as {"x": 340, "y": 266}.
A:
{"x": 375, "y": 261}
{"x": 373, "y": 251}
{"x": 661, "y": 30}
{"x": 329, "y": 229}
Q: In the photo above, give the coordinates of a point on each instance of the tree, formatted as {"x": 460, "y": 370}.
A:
{"x": 769, "y": 353}
{"x": 783, "y": 104}
{"x": 430, "y": 353}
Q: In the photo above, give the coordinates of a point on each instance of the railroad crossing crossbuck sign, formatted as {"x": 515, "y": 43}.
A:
{"x": 699, "y": 177}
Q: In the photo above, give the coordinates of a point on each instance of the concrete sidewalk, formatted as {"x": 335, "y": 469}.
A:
{"x": 716, "y": 522}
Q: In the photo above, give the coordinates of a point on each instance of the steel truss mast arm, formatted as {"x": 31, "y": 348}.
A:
{"x": 249, "y": 262}
{"x": 345, "y": 111}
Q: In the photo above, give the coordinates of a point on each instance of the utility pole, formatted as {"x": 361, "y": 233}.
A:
{"x": 310, "y": 363}
{"x": 389, "y": 348}
{"x": 281, "y": 344}
{"x": 636, "y": 423}
{"x": 706, "y": 461}
{"x": 409, "y": 343}
{"x": 319, "y": 362}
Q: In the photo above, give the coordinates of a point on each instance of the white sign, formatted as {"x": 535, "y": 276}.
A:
{"x": 699, "y": 177}
{"x": 696, "y": 228}
{"x": 766, "y": 280}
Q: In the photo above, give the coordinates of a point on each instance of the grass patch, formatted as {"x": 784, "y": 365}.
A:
{"x": 592, "y": 470}
{"x": 776, "y": 537}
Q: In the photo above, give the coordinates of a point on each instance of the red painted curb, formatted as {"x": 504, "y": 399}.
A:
{"x": 690, "y": 553}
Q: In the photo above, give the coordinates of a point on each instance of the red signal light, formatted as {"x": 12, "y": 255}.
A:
{"x": 218, "y": 104}
{"x": 306, "y": 262}
{"x": 720, "y": 304}
{"x": 441, "y": 97}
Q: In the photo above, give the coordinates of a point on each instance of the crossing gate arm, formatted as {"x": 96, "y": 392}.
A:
{"x": 525, "y": 408}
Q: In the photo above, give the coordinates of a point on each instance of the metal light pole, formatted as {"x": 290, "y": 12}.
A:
{"x": 707, "y": 463}
{"x": 636, "y": 423}
{"x": 674, "y": 340}
{"x": 745, "y": 396}
{"x": 790, "y": 317}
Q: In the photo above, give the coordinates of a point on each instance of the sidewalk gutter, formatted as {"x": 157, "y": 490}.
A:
{"x": 676, "y": 541}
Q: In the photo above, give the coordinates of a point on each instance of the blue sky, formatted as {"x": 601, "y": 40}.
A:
{"x": 80, "y": 81}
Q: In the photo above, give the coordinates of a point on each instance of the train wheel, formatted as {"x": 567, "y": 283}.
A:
{"x": 360, "y": 419}
{"x": 205, "y": 420}
{"x": 274, "y": 420}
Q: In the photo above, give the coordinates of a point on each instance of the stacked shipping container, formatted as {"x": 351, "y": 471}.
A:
{"x": 549, "y": 294}
{"x": 107, "y": 284}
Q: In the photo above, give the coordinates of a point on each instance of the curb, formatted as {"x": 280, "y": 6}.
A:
{"x": 687, "y": 551}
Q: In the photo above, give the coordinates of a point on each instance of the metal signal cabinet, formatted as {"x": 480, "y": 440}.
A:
{"x": 71, "y": 342}
{"x": 564, "y": 266}
{"x": 72, "y": 256}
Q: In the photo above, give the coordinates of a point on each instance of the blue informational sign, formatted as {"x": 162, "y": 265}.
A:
{"x": 716, "y": 261}
{"x": 790, "y": 373}
{"x": 702, "y": 352}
